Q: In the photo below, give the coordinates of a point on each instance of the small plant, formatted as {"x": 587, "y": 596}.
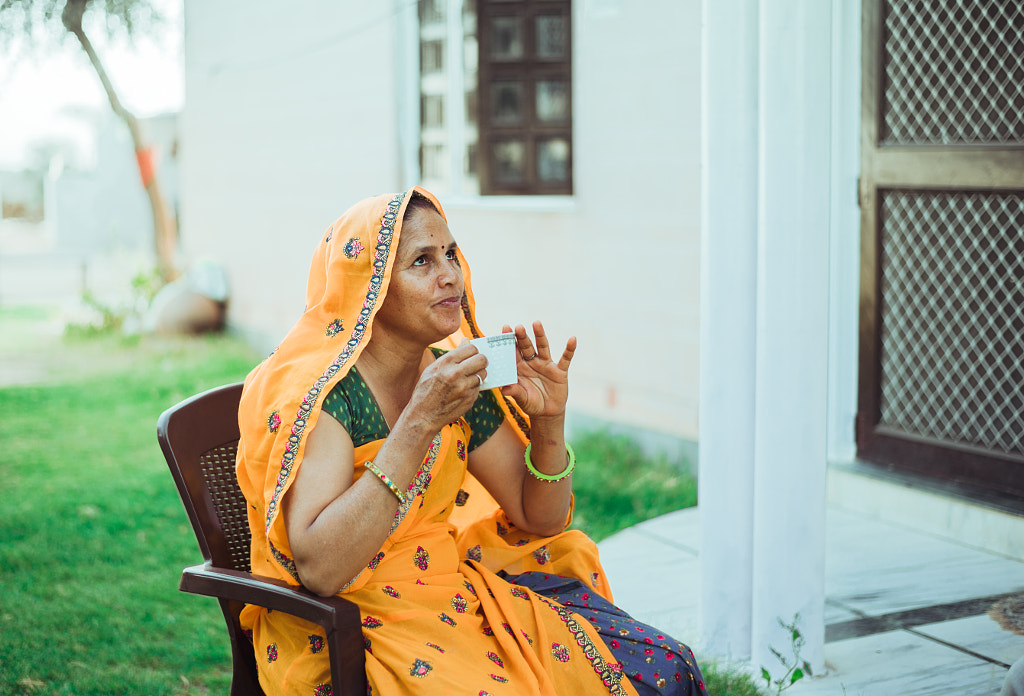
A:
{"x": 145, "y": 286}
{"x": 729, "y": 680}
{"x": 107, "y": 318}
{"x": 796, "y": 668}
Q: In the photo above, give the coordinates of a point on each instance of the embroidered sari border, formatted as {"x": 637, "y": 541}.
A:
{"x": 382, "y": 249}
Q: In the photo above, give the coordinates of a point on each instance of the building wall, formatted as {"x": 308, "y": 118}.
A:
{"x": 619, "y": 267}
{"x": 284, "y": 129}
{"x": 290, "y": 119}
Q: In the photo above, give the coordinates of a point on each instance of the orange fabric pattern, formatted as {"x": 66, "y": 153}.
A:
{"x": 437, "y": 617}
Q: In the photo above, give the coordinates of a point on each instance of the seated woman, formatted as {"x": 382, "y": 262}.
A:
{"x": 437, "y": 507}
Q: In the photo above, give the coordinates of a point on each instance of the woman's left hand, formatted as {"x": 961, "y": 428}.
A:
{"x": 543, "y": 386}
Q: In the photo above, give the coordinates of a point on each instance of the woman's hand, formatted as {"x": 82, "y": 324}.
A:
{"x": 448, "y": 387}
{"x": 543, "y": 386}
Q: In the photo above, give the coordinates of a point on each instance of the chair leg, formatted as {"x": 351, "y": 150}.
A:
{"x": 244, "y": 674}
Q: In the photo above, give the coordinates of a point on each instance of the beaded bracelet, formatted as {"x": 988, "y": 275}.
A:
{"x": 386, "y": 480}
{"x": 549, "y": 478}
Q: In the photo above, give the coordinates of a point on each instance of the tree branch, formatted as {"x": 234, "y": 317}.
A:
{"x": 164, "y": 225}
{"x": 72, "y": 19}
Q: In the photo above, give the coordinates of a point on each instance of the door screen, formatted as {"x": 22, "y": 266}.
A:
{"x": 942, "y": 204}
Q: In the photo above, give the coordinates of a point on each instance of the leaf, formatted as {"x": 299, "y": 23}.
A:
{"x": 807, "y": 668}
{"x": 798, "y": 674}
{"x": 766, "y": 676}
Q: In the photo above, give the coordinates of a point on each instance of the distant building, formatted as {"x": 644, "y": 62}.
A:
{"x": 106, "y": 209}
{"x": 21, "y": 195}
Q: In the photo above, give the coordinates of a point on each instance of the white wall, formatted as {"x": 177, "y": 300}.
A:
{"x": 618, "y": 265}
{"x": 290, "y": 118}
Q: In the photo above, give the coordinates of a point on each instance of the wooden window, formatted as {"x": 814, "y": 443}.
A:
{"x": 524, "y": 117}
{"x": 495, "y": 95}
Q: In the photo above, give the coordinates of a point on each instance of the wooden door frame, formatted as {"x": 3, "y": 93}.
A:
{"x": 930, "y": 168}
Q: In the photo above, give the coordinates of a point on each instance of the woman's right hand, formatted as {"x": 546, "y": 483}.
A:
{"x": 448, "y": 387}
{"x": 335, "y": 524}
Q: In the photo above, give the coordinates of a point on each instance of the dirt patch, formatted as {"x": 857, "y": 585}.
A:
{"x": 33, "y": 349}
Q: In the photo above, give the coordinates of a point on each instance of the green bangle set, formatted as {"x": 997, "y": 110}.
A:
{"x": 549, "y": 478}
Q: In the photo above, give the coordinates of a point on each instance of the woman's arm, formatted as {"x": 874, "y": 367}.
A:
{"x": 335, "y": 524}
{"x": 533, "y": 505}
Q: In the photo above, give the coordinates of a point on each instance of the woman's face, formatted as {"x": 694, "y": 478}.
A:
{"x": 424, "y": 297}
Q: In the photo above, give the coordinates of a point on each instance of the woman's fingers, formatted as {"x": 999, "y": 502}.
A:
{"x": 570, "y": 350}
{"x": 464, "y": 367}
{"x": 474, "y": 370}
{"x": 464, "y": 351}
{"x": 528, "y": 351}
{"x": 478, "y": 380}
{"x": 523, "y": 344}
{"x": 543, "y": 347}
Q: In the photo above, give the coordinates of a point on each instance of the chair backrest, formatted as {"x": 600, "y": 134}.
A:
{"x": 199, "y": 439}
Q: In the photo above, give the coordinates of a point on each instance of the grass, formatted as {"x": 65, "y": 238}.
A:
{"x": 722, "y": 681}
{"x": 617, "y": 485}
{"x": 94, "y": 537}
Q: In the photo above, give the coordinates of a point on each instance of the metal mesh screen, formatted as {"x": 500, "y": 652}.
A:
{"x": 218, "y": 467}
{"x": 952, "y": 353}
{"x": 953, "y": 72}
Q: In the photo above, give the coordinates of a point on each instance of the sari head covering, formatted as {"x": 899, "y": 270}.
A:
{"x": 348, "y": 282}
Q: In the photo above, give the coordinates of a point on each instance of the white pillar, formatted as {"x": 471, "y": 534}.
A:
{"x": 844, "y": 238}
{"x": 728, "y": 295}
{"x": 792, "y": 326}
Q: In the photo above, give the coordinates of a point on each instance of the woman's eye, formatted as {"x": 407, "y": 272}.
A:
{"x": 451, "y": 256}
{"x": 420, "y": 261}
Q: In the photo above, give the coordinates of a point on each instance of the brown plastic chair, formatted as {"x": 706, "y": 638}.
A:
{"x": 199, "y": 438}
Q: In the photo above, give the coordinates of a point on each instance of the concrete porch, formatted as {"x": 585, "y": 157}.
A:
{"x": 906, "y": 606}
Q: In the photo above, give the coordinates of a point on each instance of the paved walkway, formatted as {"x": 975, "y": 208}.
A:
{"x": 905, "y": 614}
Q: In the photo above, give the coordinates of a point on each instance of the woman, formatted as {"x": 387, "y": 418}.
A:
{"x": 435, "y": 506}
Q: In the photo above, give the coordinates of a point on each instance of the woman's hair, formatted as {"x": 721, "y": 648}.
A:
{"x": 419, "y": 202}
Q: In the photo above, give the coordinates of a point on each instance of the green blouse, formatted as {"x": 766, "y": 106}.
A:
{"x": 351, "y": 403}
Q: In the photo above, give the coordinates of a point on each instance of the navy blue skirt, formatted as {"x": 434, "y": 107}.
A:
{"x": 655, "y": 663}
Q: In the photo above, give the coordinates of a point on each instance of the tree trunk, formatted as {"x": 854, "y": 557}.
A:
{"x": 164, "y": 223}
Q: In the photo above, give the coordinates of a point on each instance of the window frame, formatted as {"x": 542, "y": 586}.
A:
{"x": 528, "y": 70}
{"x": 455, "y": 186}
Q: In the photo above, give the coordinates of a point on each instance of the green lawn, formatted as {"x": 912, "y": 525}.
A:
{"x": 94, "y": 536}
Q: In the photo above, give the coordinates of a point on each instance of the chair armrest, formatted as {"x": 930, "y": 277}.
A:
{"x": 237, "y": 585}
{"x": 338, "y": 616}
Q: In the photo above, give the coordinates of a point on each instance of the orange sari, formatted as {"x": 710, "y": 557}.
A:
{"x": 437, "y": 616}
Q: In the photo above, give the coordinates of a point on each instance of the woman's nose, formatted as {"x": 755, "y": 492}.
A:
{"x": 449, "y": 275}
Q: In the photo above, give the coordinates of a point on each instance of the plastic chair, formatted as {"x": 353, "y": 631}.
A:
{"x": 199, "y": 438}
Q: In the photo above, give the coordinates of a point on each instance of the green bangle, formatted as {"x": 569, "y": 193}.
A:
{"x": 548, "y": 477}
